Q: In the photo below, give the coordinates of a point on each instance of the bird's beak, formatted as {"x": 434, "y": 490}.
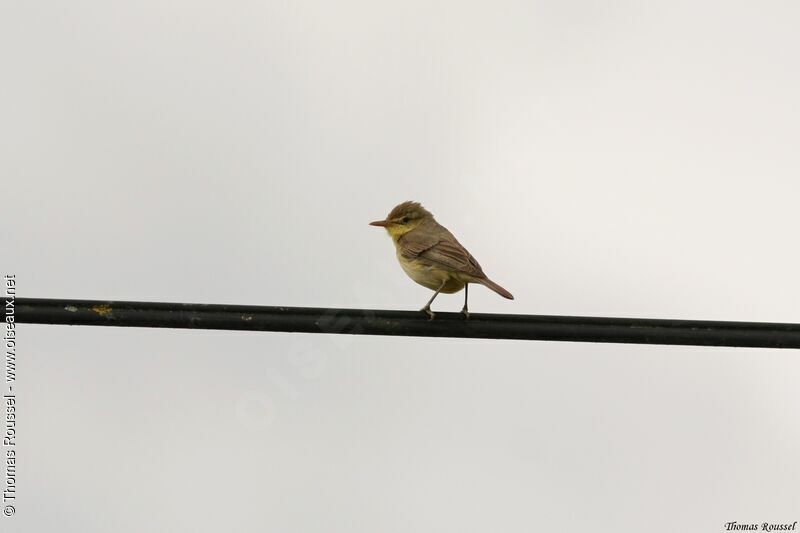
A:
{"x": 382, "y": 223}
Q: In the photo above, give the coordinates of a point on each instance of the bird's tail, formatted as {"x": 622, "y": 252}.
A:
{"x": 496, "y": 288}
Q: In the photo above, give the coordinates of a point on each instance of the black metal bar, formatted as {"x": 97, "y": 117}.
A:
{"x": 406, "y": 323}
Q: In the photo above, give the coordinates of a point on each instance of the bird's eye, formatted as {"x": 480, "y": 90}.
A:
{"x": 404, "y": 220}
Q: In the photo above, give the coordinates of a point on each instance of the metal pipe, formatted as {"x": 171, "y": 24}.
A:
{"x": 406, "y": 323}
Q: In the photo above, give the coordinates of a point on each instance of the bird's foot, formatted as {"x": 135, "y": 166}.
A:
{"x": 465, "y": 312}
{"x": 428, "y": 311}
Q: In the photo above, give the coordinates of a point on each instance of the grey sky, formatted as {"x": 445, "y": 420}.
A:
{"x": 614, "y": 159}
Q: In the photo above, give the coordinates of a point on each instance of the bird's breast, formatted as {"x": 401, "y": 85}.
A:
{"x": 430, "y": 276}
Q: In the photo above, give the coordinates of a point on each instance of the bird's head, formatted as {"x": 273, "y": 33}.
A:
{"x": 403, "y": 219}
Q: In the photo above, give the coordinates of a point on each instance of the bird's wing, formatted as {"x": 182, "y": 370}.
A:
{"x": 441, "y": 250}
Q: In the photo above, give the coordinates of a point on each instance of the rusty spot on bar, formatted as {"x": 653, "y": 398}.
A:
{"x": 102, "y": 310}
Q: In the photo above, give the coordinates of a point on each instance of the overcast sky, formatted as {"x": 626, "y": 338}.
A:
{"x": 598, "y": 158}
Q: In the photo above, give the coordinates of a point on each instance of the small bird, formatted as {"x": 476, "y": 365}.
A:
{"x": 431, "y": 256}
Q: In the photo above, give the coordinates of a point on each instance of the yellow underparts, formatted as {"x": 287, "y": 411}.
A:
{"x": 432, "y": 277}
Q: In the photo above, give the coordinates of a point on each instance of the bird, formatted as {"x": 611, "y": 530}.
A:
{"x": 431, "y": 256}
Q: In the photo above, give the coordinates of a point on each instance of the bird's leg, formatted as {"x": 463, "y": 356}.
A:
{"x": 464, "y": 309}
{"x": 427, "y": 308}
